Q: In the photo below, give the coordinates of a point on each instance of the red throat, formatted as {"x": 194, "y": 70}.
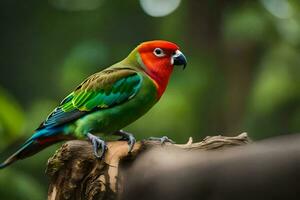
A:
{"x": 159, "y": 70}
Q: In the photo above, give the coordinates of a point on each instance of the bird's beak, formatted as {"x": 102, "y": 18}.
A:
{"x": 179, "y": 59}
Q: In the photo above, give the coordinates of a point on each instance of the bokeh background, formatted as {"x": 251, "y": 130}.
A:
{"x": 243, "y": 70}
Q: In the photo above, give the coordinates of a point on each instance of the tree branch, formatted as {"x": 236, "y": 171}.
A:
{"x": 76, "y": 174}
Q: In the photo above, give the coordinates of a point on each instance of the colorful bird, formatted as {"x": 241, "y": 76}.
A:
{"x": 108, "y": 100}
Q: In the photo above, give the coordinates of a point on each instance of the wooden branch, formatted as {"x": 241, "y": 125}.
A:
{"x": 76, "y": 174}
{"x": 263, "y": 170}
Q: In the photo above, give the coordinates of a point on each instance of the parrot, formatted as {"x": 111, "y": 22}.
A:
{"x": 108, "y": 101}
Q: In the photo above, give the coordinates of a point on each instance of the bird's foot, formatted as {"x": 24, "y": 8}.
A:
{"x": 127, "y": 137}
{"x": 162, "y": 140}
{"x": 97, "y": 144}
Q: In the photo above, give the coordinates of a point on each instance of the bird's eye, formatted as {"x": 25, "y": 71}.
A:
{"x": 158, "y": 52}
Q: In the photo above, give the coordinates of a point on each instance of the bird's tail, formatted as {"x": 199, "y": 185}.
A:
{"x": 40, "y": 140}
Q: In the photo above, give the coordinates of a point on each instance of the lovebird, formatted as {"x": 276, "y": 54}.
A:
{"x": 108, "y": 101}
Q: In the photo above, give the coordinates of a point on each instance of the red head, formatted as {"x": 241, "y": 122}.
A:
{"x": 158, "y": 58}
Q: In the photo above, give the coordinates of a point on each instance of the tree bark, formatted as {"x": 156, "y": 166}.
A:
{"x": 76, "y": 174}
{"x": 263, "y": 170}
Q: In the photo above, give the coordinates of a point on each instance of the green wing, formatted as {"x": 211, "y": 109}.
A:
{"x": 102, "y": 90}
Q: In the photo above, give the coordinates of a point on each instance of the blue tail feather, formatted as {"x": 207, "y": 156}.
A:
{"x": 14, "y": 157}
{"x": 38, "y": 141}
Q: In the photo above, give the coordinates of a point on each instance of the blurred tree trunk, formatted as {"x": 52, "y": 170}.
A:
{"x": 236, "y": 59}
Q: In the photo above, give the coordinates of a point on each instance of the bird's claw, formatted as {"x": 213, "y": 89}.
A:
{"x": 162, "y": 140}
{"x": 97, "y": 144}
{"x": 129, "y": 138}
{"x": 131, "y": 142}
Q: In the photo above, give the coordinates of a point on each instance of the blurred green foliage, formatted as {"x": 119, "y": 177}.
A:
{"x": 243, "y": 71}
{"x": 23, "y": 187}
{"x": 11, "y": 119}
